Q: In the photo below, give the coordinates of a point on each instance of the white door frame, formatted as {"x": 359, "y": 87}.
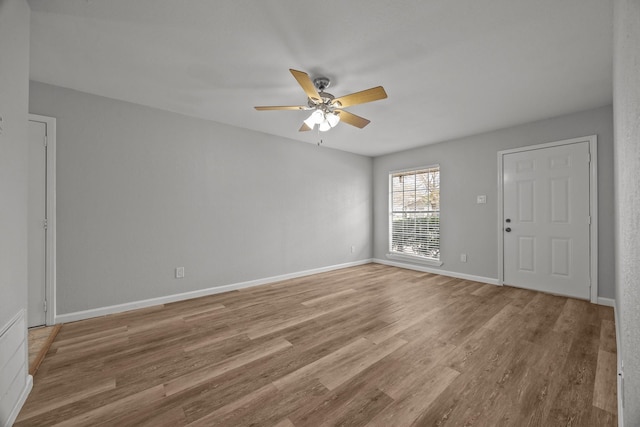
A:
{"x": 593, "y": 205}
{"x": 50, "y": 262}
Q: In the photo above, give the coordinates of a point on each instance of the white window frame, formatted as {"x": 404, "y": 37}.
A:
{"x": 397, "y": 255}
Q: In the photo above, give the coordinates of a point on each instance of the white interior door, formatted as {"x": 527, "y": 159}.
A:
{"x": 37, "y": 208}
{"x": 546, "y": 219}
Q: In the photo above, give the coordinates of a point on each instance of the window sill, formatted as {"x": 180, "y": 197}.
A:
{"x": 415, "y": 259}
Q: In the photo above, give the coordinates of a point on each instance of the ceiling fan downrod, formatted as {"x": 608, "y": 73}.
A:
{"x": 321, "y": 83}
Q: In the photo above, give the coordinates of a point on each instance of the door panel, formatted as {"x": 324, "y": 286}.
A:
{"x": 546, "y": 200}
{"x": 36, "y": 232}
{"x": 561, "y": 257}
{"x": 526, "y": 253}
{"x": 526, "y": 191}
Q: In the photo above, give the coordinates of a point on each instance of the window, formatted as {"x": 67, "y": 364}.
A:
{"x": 414, "y": 223}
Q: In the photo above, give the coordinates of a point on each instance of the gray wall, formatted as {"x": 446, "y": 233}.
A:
{"x": 14, "y": 97}
{"x": 626, "y": 95}
{"x": 141, "y": 191}
{"x": 469, "y": 168}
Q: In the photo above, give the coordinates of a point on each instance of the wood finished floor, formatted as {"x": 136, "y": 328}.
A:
{"x": 370, "y": 345}
{"x": 40, "y": 339}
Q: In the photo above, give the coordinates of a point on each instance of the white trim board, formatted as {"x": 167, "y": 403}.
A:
{"x": 481, "y": 279}
{"x": 21, "y": 401}
{"x": 50, "y": 280}
{"x": 414, "y": 259}
{"x": 15, "y": 381}
{"x": 119, "y": 308}
{"x": 620, "y": 368}
{"x": 609, "y": 302}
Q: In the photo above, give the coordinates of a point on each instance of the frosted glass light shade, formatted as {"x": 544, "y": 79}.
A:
{"x": 333, "y": 119}
{"x": 315, "y": 118}
{"x": 324, "y": 126}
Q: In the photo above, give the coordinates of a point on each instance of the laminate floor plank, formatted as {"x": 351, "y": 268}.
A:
{"x": 201, "y": 375}
{"x": 267, "y": 408}
{"x": 346, "y": 369}
{"x": 608, "y": 336}
{"x": 367, "y": 345}
{"x": 106, "y": 413}
{"x": 354, "y": 403}
{"x": 574, "y": 400}
{"x": 65, "y": 397}
{"x": 604, "y": 392}
{"x": 405, "y": 410}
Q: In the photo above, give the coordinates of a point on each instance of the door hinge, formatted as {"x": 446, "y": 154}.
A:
{"x": 589, "y": 220}
{"x": 45, "y": 224}
{"x": 44, "y": 140}
{"x": 588, "y": 157}
{"x": 44, "y": 305}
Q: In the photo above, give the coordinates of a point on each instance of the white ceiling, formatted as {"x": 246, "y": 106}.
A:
{"x": 451, "y": 68}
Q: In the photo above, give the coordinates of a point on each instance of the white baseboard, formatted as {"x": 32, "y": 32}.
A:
{"x": 488, "y": 280}
{"x": 119, "y": 308}
{"x": 620, "y": 372}
{"x": 20, "y": 403}
{"x": 609, "y": 302}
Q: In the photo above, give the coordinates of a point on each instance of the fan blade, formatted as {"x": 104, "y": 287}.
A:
{"x": 352, "y": 119}
{"x": 369, "y": 95}
{"x": 286, "y": 107}
{"x": 304, "y": 128}
{"x": 307, "y": 85}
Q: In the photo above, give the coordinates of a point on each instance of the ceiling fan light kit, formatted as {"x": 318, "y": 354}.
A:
{"x": 327, "y": 109}
{"x": 324, "y": 120}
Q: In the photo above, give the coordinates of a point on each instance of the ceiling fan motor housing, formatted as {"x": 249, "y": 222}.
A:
{"x": 321, "y": 83}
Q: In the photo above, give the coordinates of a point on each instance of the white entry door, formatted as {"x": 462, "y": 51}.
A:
{"x": 546, "y": 234}
{"x": 37, "y": 233}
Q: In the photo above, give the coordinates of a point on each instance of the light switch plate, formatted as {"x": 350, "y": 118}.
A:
{"x": 481, "y": 199}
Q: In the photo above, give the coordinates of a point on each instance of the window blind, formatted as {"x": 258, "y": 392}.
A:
{"x": 415, "y": 212}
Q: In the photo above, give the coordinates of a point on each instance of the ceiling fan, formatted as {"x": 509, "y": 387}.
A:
{"x": 327, "y": 109}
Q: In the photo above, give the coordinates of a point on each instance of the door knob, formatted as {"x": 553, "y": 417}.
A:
{"x": 508, "y": 220}
{"x": 508, "y": 229}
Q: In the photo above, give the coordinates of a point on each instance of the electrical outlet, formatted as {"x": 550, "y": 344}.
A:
{"x": 463, "y": 257}
{"x": 481, "y": 200}
{"x": 179, "y": 272}
{"x": 353, "y": 249}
